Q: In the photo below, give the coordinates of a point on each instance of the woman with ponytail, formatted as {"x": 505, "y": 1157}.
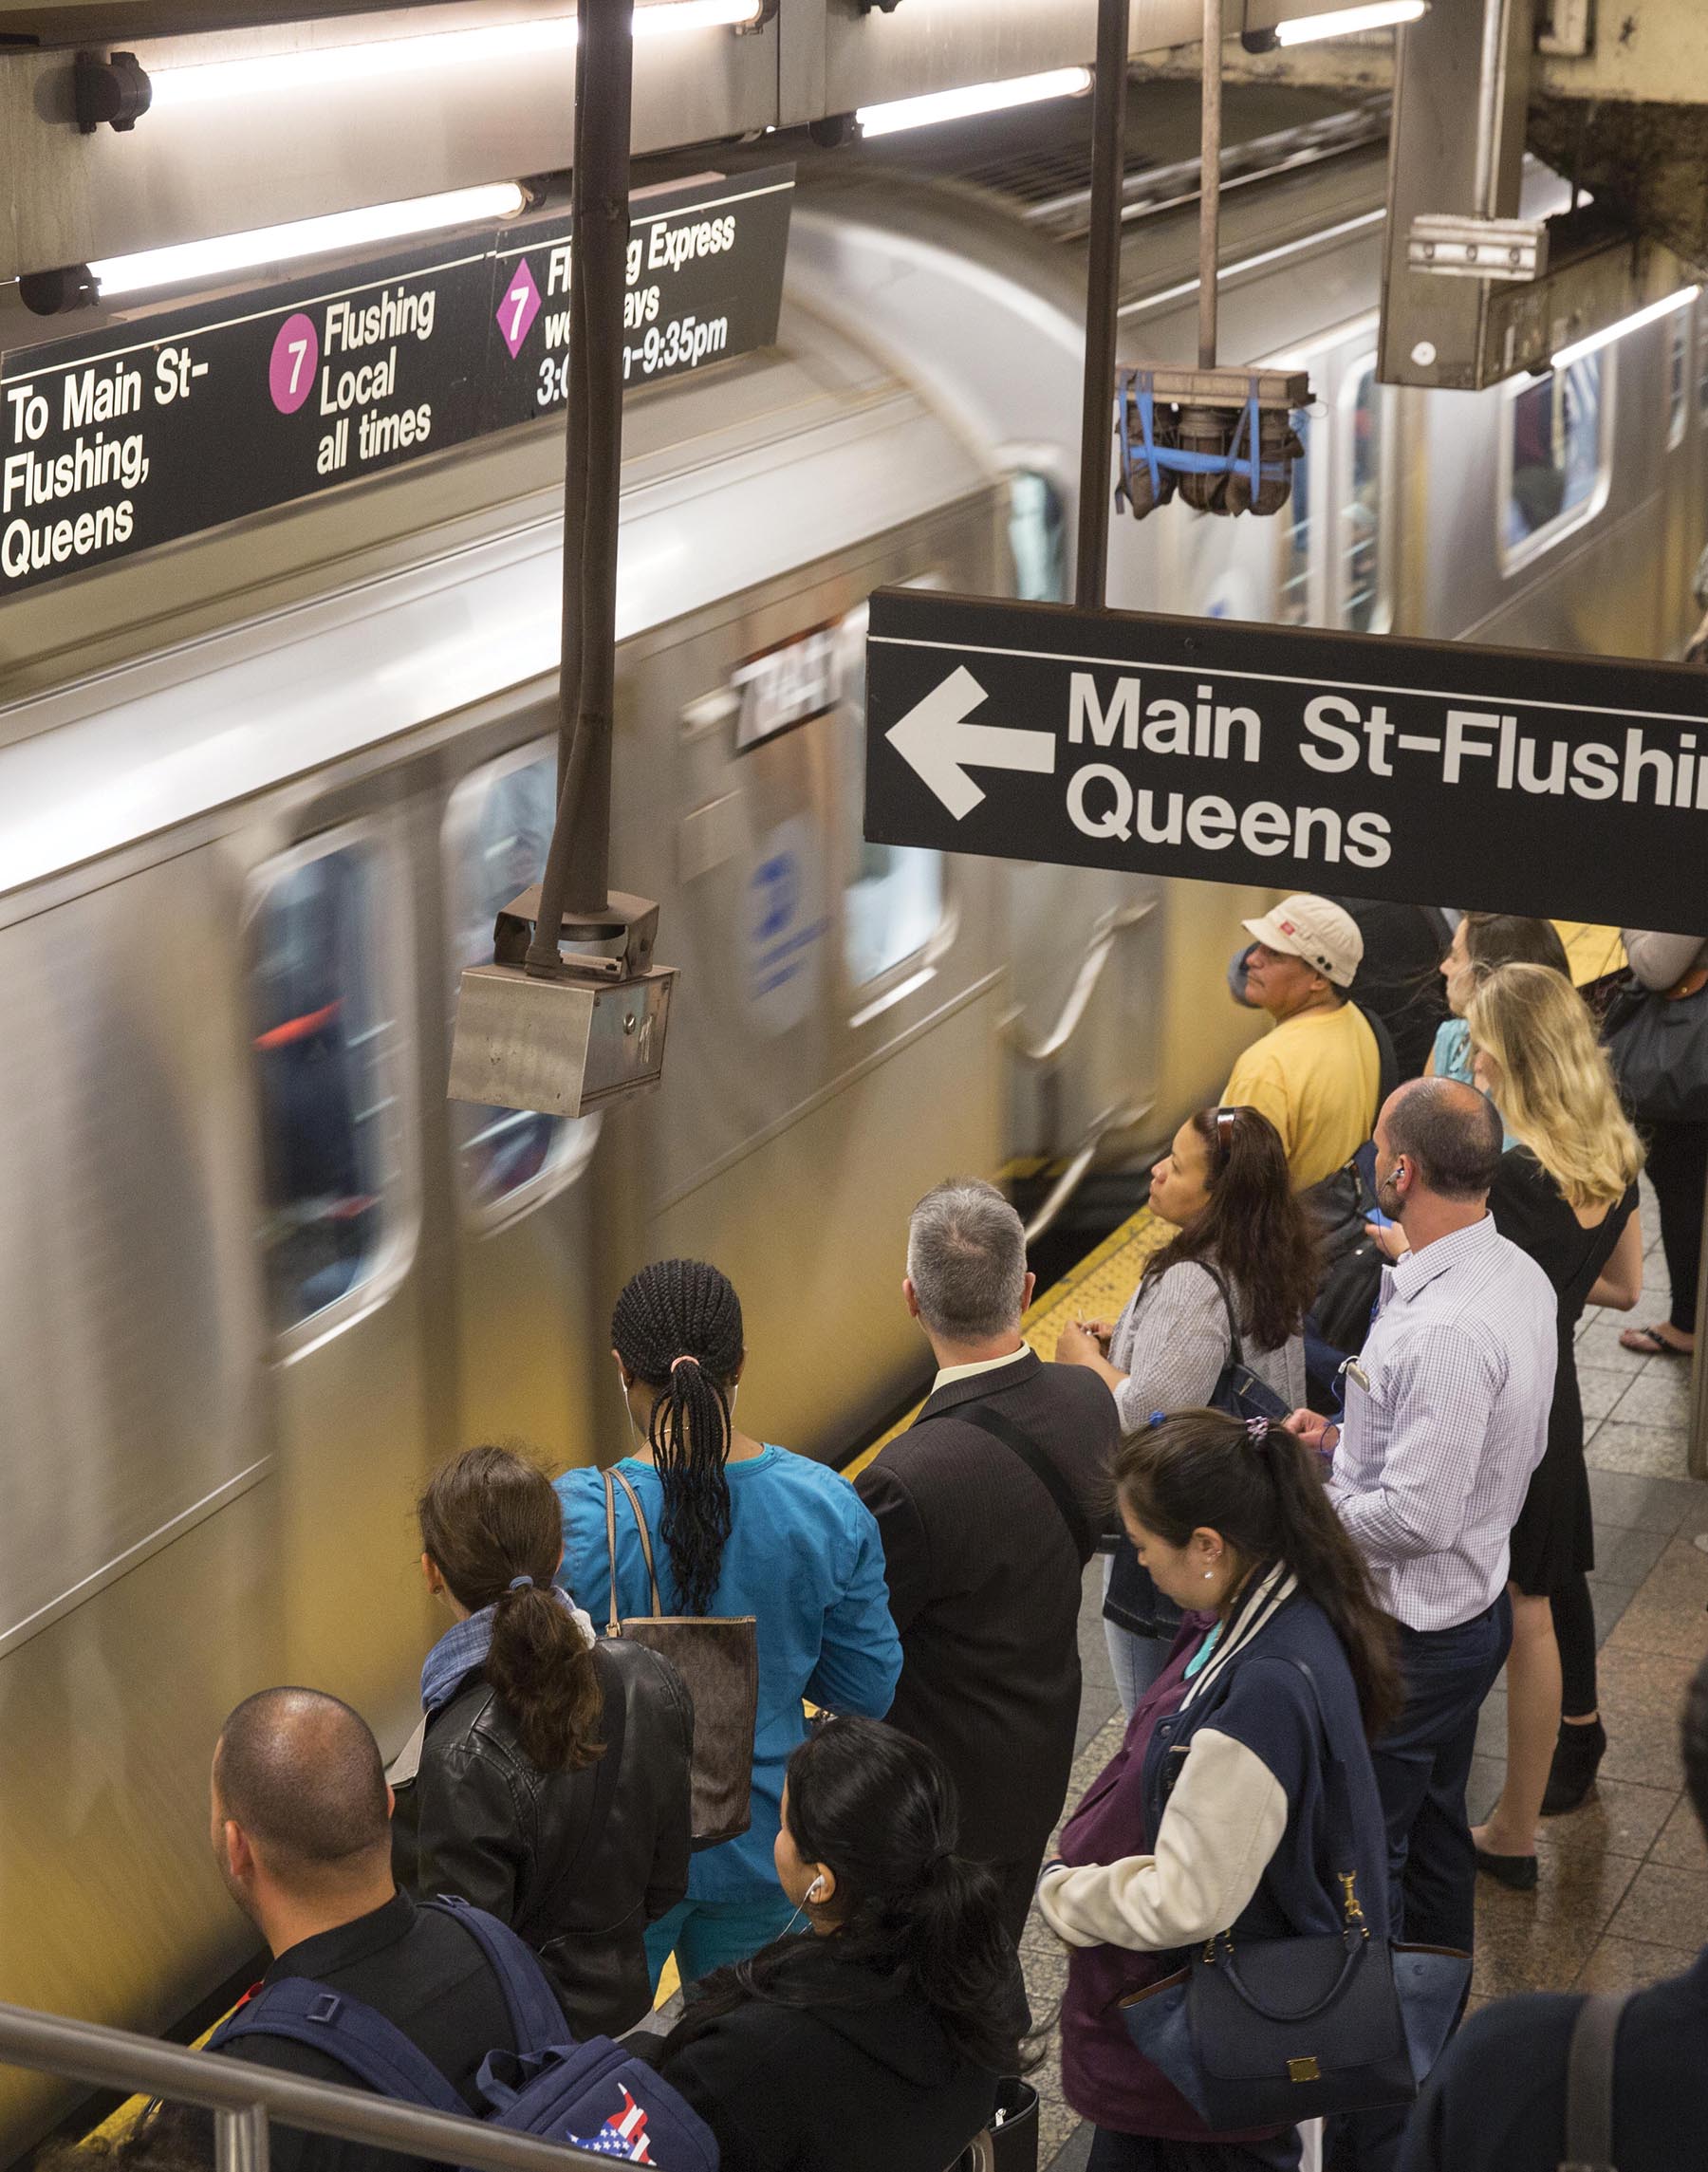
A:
{"x": 738, "y": 1528}
{"x": 1220, "y": 1810}
{"x": 549, "y": 1783}
{"x": 878, "y": 2040}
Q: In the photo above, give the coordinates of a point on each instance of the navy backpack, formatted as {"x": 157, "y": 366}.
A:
{"x": 594, "y": 2096}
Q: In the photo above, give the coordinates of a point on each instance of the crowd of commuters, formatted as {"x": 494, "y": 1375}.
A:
{"x": 1306, "y": 1610}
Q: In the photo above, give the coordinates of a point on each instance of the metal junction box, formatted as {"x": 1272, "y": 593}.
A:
{"x": 563, "y": 1047}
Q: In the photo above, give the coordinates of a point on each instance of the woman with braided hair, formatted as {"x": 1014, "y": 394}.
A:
{"x": 741, "y": 1526}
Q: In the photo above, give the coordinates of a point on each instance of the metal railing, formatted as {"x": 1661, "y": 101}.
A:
{"x": 243, "y": 2099}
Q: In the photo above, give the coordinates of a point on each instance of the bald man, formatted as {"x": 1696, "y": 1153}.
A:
{"x": 301, "y": 1838}
{"x": 1445, "y": 1417}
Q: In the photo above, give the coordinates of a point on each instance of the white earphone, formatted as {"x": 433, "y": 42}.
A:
{"x": 815, "y": 1889}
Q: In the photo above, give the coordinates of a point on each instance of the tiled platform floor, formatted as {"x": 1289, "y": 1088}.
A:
{"x": 1623, "y": 1897}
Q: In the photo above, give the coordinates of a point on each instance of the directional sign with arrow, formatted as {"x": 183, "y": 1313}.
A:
{"x": 1419, "y": 771}
{"x": 937, "y": 740}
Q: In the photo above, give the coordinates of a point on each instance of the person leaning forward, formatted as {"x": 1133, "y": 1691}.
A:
{"x": 987, "y": 1507}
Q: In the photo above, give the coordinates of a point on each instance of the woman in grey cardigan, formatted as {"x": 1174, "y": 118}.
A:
{"x": 1678, "y": 1155}
{"x": 1244, "y": 1249}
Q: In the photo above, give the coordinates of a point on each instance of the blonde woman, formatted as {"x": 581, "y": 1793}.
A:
{"x": 1567, "y": 1194}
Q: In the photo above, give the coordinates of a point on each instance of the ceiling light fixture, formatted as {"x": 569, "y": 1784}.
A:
{"x": 1380, "y": 15}
{"x": 976, "y": 98}
{"x": 386, "y": 60}
{"x": 222, "y": 253}
{"x": 1594, "y": 342}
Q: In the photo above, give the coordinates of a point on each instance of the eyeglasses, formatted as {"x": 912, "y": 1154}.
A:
{"x": 1224, "y": 1135}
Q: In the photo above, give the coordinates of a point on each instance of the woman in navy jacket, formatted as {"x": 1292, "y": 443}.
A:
{"x": 1214, "y": 1815}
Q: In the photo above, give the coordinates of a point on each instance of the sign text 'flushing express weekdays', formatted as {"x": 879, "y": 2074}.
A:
{"x": 1419, "y": 771}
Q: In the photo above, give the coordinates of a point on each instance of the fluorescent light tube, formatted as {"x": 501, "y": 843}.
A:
{"x": 1594, "y": 342}
{"x": 1380, "y": 15}
{"x": 223, "y": 254}
{"x": 977, "y": 97}
{"x": 385, "y": 60}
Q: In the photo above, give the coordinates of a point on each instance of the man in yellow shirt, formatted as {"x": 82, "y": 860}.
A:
{"x": 1316, "y": 1074}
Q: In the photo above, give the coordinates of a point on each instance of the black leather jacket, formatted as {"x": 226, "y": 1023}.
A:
{"x": 481, "y": 1821}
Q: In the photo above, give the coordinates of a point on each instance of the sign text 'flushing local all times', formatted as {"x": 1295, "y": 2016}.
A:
{"x": 199, "y": 413}
{"x": 1418, "y": 772}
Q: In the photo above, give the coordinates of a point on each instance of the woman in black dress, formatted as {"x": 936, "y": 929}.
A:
{"x": 1567, "y": 1194}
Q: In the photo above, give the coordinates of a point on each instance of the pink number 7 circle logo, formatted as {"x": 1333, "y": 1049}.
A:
{"x": 295, "y": 357}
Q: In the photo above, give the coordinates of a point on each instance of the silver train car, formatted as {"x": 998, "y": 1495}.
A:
{"x": 261, "y": 793}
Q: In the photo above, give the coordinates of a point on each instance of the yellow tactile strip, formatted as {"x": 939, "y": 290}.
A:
{"x": 1096, "y": 1289}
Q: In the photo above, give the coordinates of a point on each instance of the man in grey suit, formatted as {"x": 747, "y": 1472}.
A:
{"x": 988, "y": 1508}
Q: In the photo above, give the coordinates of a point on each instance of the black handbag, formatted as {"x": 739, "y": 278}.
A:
{"x": 1269, "y": 2032}
{"x": 1658, "y": 1044}
{"x": 1131, "y": 1600}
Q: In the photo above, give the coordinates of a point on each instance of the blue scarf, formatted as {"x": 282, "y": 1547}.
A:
{"x": 464, "y": 1647}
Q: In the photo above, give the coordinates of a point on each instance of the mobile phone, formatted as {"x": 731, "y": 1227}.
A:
{"x": 1382, "y": 1221}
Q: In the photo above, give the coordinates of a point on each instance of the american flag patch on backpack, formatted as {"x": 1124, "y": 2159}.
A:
{"x": 623, "y": 2136}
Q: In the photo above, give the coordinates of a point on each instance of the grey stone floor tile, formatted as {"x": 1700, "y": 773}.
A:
{"x": 1602, "y": 1390}
{"x": 1660, "y": 1395}
{"x": 1610, "y": 1601}
{"x": 1647, "y": 1451}
{"x": 1072, "y": 2154}
{"x": 1628, "y": 1500}
{"x": 1626, "y": 1556}
{"x": 1599, "y": 1344}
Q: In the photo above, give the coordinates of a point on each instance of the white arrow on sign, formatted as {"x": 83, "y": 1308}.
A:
{"x": 936, "y": 738}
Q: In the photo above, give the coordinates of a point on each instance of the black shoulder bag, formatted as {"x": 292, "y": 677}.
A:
{"x": 1590, "y": 2085}
{"x": 1262, "y": 2032}
{"x": 1019, "y": 1443}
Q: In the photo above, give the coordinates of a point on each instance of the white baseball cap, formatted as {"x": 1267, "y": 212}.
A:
{"x": 1322, "y": 934}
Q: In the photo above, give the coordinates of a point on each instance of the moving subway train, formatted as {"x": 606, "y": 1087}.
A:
{"x": 261, "y": 793}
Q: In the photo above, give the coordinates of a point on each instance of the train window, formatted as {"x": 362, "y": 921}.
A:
{"x": 1038, "y": 538}
{"x": 892, "y": 894}
{"x": 1677, "y": 376}
{"x": 1292, "y": 581}
{"x": 1360, "y": 510}
{"x": 498, "y": 828}
{"x": 326, "y": 1059}
{"x": 1553, "y": 449}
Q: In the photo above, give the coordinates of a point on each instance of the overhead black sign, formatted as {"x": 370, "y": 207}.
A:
{"x": 1415, "y": 771}
{"x": 146, "y": 432}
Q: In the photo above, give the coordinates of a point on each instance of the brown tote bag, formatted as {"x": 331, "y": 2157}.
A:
{"x": 717, "y": 1658}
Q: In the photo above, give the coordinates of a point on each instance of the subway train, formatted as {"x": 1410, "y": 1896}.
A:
{"x": 261, "y": 793}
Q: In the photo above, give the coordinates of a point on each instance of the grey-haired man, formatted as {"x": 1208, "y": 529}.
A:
{"x": 988, "y": 1507}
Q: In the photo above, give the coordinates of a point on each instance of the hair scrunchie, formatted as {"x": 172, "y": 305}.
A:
{"x": 521, "y": 1583}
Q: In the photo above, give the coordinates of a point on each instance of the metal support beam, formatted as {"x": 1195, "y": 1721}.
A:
{"x": 577, "y": 877}
{"x": 1209, "y": 139}
{"x": 1103, "y": 290}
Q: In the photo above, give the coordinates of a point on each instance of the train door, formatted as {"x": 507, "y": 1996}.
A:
{"x": 521, "y": 1237}
{"x": 329, "y": 925}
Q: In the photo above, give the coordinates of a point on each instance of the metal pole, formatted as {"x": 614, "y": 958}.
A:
{"x": 240, "y": 2140}
{"x": 1696, "y": 1447}
{"x": 577, "y": 876}
{"x": 1210, "y": 139}
{"x": 1102, "y": 287}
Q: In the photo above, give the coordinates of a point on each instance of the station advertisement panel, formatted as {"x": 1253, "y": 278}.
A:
{"x": 115, "y": 441}
{"x": 1419, "y": 772}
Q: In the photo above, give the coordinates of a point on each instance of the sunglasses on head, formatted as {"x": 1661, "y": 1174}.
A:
{"x": 1224, "y": 1135}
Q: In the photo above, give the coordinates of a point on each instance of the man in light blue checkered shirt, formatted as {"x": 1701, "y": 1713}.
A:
{"x": 1445, "y": 1418}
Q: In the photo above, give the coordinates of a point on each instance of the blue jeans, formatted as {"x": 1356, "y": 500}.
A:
{"x": 705, "y": 1935}
{"x": 1134, "y": 1661}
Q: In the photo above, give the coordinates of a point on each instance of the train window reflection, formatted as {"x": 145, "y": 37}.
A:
{"x": 1360, "y": 511}
{"x": 497, "y": 830}
{"x": 326, "y": 1062}
{"x": 1038, "y": 538}
{"x": 892, "y": 894}
{"x": 1553, "y": 449}
{"x": 1292, "y": 586}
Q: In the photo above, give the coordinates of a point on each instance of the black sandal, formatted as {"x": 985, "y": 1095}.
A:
{"x": 1651, "y": 1343}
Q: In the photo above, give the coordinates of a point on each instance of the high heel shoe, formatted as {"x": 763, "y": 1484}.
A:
{"x": 1516, "y": 1871}
{"x": 1577, "y": 1756}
